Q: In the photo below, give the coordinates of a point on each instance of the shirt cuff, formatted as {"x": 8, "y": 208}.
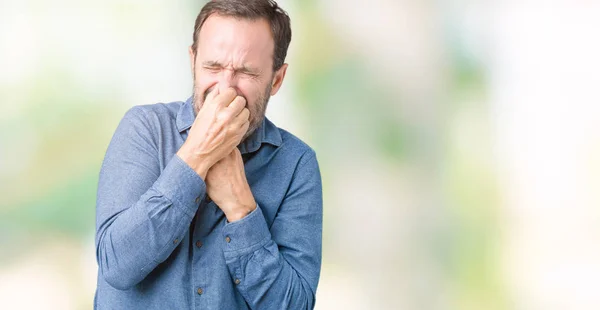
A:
{"x": 245, "y": 235}
{"x": 181, "y": 184}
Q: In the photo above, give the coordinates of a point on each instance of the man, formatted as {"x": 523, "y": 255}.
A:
{"x": 205, "y": 204}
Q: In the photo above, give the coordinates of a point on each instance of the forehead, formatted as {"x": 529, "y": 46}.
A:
{"x": 230, "y": 39}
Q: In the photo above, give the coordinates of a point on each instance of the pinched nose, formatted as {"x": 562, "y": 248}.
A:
{"x": 227, "y": 79}
{"x": 220, "y": 89}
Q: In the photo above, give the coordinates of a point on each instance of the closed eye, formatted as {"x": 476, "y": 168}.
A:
{"x": 213, "y": 69}
{"x": 248, "y": 73}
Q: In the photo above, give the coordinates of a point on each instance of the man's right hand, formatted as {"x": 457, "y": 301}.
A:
{"x": 217, "y": 130}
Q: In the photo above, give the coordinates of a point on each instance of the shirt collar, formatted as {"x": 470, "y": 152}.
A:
{"x": 185, "y": 116}
{"x": 267, "y": 132}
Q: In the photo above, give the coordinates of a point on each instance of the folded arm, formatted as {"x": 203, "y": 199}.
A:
{"x": 279, "y": 268}
{"x": 142, "y": 213}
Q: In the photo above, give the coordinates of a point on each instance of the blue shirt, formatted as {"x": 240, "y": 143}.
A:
{"x": 162, "y": 244}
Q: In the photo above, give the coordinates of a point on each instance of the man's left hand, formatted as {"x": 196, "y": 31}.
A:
{"x": 227, "y": 186}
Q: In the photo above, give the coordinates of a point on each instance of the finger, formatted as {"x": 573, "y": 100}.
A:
{"x": 224, "y": 98}
{"x": 244, "y": 115}
{"x": 229, "y": 115}
{"x": 241, "y": 118}
{"x": 208, "y": 101}
{"x": 244, "y": 127}
{"x": 237, "y": 105}
{"x": 240, "y": 123}
{"x": 213, "y": 93}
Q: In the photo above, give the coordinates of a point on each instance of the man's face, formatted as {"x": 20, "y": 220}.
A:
{"x": 236, "y": 53}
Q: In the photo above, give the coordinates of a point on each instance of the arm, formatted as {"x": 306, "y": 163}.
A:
{"x": 279, "y": 269}
{"x": 141, "y": 213}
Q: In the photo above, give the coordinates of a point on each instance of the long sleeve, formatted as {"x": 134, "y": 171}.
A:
{"x": 142, "y": 213}
{"x": 279, "y": 268}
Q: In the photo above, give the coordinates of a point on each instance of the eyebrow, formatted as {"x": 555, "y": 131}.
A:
{"x": 216, "y": 64}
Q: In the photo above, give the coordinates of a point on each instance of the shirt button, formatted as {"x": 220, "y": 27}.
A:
{"x": 237, "y": 281}
{"x": 198, "y": 243}
{"x": 175, "y": 241}
{"x": 197, "y": 199}
{"x": 200, "y": 291}
{"x": 227, "y": 239}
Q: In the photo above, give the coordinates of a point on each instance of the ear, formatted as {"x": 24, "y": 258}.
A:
{"x": 192, "y": 58}
{"x": 278, "y": 79}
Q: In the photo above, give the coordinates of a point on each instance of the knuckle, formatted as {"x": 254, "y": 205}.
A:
{"x": 224, "y": 116}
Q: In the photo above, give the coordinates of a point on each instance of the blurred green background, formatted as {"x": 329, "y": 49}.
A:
{"x": 459, "y": 143}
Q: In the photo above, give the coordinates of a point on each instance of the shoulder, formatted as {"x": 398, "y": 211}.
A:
{"x": 148, "y": 121}
{"x": 295, "y": 147}
{"x": 157, "y": 112}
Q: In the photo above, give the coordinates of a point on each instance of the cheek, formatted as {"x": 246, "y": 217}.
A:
{"x": 203, "y": 81}
{"x": 252, "y": 90}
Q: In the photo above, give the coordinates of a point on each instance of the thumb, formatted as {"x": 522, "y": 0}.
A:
{"x": 212, "y": 94}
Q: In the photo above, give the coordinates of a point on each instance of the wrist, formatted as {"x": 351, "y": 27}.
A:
{"x": 197, "y": 163}
{"x": 240, "y": 212}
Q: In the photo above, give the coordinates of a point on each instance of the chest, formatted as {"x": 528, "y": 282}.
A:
{"x": 268, "y": 173}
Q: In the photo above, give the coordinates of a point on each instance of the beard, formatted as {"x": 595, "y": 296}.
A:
{"x": 257, "y": 109}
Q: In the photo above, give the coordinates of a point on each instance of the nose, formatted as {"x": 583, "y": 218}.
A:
{"x": 227, "y": 79}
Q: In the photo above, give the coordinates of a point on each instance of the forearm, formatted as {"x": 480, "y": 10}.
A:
{"x": 266, "y": 278}
{"x": 134, "y": 240}
{"x": 265, "y": 275}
